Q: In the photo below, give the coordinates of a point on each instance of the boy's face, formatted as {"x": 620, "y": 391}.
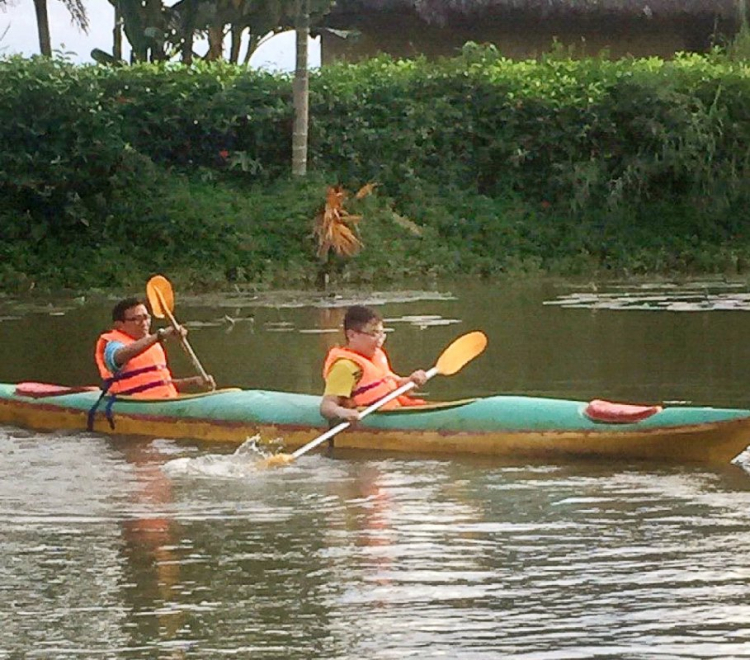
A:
{"x": 367, "y": 339}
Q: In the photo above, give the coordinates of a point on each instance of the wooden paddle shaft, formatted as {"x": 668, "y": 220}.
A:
{"x": 183, "y": 340}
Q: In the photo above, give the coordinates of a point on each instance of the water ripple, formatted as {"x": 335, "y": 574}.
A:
{"x": 118, "y": 549}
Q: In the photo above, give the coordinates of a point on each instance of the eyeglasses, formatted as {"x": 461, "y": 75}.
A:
{"x": 375, "y": 333}
{"x": 138, "y": 318}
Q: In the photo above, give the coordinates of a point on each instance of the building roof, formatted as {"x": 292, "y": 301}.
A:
{"x": 442, "y": 11}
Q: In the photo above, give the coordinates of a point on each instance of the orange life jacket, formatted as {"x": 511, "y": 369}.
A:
{"x": 377, "y": 380}
{"x": 145, "y": 375}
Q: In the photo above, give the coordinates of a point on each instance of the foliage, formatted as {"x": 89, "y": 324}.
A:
{"x": 483, "y": 166}
{"x": 156, "y": 32}
{"x": 58, "y": 148}
{"x": 199, "y": 116}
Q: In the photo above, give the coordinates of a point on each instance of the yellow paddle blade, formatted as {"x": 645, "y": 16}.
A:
{"x": 462, "y": 350}
{"x": 276, "y": 460}
{"x": 160, "y": 294}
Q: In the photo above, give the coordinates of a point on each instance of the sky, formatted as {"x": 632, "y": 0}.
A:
{"x": 18, "y": 34}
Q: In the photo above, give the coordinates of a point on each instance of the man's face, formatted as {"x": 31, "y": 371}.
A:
{"x": 367, "y": 339}
{"x": 136, "y": 323}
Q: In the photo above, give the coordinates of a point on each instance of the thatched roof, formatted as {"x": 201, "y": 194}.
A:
{"x": 442, "y": 11}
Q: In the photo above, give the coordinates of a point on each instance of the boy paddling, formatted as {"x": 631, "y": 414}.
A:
{"x": 358, "y": 374}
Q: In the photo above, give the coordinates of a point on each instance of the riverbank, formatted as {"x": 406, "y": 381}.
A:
{"x": 213, "y": 237}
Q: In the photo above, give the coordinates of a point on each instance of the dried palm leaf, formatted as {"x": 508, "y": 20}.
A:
{"x": 365, "y": 190}
{"x": 333, "y": 226}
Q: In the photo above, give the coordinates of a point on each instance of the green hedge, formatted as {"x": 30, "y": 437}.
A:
{"x": 551, "y": 165}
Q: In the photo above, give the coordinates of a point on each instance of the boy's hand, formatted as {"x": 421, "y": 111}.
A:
{"x": 348, "y": 415}
{"x": 419, "y": 377}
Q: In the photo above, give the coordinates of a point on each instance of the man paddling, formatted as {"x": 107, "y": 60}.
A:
{"x": 358, "y": 373}
{"x": 131, "y": 359}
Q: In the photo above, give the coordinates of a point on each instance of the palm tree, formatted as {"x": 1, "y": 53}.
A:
{"x": 301, "y": 90}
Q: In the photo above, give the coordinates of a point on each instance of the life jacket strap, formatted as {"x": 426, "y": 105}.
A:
{"x": 108, "y": 382}
{"x": 367, "y": 388}
{"x": 143, "y": 388}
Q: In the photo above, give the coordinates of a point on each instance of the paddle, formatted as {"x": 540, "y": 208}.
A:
{"x": 460, "y": 352}
{"x": 161, "y": 299}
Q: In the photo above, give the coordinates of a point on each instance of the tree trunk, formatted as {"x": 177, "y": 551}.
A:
{"x": 300, "y": 90}
{"x": 187, "y": 28}
{"x": 42, "y": 25}
{"x": 117, "y": 35}
{"x": 236, "y": 37}
{"x": 215, "y": 43}
{"x": 252, "y": 44}
{"x": 187, "y": 48}
{"x": 154, "y": 18}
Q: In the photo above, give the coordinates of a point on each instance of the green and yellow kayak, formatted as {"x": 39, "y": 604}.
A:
{"x": 511, "y": 426}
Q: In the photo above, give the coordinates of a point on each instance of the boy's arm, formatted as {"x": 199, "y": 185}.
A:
{"x": 340, "y": 382}
{"x": 331, "y": 408}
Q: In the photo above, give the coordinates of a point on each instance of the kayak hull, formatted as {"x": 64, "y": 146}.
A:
{"x": 509, "y": 426}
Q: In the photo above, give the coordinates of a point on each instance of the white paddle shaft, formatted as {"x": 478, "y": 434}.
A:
{"x": 371, "y": 408}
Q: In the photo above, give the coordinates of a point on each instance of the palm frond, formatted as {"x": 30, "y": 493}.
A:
{"x": 334, "y": 226}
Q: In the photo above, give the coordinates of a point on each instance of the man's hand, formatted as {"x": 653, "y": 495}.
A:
{"x": 180, "y": 331}
{"x": 207, "y": 383}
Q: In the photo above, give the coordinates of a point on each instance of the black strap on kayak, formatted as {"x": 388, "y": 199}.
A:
{"x": 108, "y": 382}
{"x": 331, "y": 424}
{"x": 108, "y": 410}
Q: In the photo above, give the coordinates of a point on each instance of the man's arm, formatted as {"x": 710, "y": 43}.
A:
{"x": 127, "y": 352}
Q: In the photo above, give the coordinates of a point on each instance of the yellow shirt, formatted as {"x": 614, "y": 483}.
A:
{"x": 342, "y": 378}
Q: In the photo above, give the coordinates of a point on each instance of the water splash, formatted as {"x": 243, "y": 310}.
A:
{"x": 743, "y": 460}
{"x": 249, "y": 459}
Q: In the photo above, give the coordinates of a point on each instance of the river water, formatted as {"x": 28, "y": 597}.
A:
{"x": 117, "y": 548}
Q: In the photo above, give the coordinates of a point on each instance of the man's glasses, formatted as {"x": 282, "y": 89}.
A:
{"x": 138, "y": 318}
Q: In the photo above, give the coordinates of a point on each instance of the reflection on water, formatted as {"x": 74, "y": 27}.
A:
{"x": 107, "y": 553}
{"x": 617, "y": 341}
{"x": 689, "y": 297}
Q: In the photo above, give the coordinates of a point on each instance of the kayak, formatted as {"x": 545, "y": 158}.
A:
{"x": 503, "y": 425}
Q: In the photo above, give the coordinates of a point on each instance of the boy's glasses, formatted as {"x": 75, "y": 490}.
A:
{"x": 373, "y": 333}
